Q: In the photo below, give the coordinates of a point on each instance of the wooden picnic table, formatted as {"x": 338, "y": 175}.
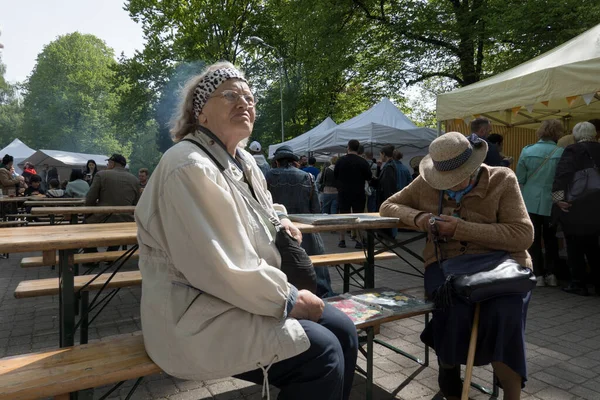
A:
{"x": 84, "y": 210}
{"x": 54, "y": 202}
{"x": 74, "y": 212}
{"x": 67, "y": 239}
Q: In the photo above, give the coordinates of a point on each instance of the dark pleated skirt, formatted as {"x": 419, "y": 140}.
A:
{"x": 501, "y": 335}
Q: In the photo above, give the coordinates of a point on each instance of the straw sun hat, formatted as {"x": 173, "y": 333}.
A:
{"x": 452, "y": 158}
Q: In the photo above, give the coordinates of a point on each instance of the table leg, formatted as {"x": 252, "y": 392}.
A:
{"x": 66, "y": 298}
{"x": 370, "y": 265}
{"x": 74, "y": 219}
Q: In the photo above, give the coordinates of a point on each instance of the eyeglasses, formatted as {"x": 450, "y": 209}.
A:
{"x": 231, "y": 96}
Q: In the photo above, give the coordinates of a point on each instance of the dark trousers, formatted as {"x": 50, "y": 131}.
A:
{"x": 326, "y": 370}
{"x": 578, "y": 249}
{"x": 544, "y": 263}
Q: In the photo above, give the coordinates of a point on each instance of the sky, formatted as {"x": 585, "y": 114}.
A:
{"x": 28, "y": 25}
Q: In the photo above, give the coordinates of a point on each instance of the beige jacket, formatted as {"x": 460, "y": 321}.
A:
{"x": 7, "y": 181}
{"x": 213, "y": 294}
{"x": 493, "y": 216}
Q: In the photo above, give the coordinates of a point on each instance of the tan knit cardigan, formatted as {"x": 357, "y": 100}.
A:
{"x": 493, "y": 216}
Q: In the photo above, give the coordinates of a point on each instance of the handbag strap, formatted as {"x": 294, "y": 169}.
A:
{"x": 544, "y": 162}
{"x": 249, "y": 197}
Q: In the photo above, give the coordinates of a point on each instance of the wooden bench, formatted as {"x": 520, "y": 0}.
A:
{"x": 6, "y": 224}
{"x": 50, "y": 286}
{"x": 82, "y": 258}
{"x": 58, "y": 372}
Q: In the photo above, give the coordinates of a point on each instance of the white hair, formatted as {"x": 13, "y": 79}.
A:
{"x": 584, "y": 131}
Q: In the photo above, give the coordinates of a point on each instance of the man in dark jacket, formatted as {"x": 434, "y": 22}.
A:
{"x": 296, "y": 190}
{"x": 482, "y": 127}
{"x": 387, "y": 182}
{"x": 114, "y": 186}
{"x": 403, "y": 174}
{"x": 351, "y": 171}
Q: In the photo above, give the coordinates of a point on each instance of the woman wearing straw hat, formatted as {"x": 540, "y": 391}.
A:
{"x": 482, "y": 211}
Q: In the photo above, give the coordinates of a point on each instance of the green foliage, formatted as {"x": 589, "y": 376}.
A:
{"x": 11, "y": 110}
{"x": 321, "y": 44}
{"x": 145, "y": 152}
{"x": 70, "y": 100}
{"x": 465, "y": 41}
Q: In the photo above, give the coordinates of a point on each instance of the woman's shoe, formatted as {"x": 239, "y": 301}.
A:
{"x": 449, "y": 381}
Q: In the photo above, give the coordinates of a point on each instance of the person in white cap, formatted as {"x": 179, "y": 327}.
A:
{"x": 256, "y": 151}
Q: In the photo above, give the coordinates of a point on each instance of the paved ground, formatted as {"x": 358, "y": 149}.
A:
{"x": 563, "y": 342}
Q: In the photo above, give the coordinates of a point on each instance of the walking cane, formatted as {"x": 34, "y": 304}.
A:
{"x": 471, "y": 355}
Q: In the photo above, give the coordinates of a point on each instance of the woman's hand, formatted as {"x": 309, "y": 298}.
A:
{"x": 308, "y": 306}
{"x": 292, "y": 229}
{"x": 563, "y": 205}
{"x": 422, "y": 221}
{"x": 446, "y": 227}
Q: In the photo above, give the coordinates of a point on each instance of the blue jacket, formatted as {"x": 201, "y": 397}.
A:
{"x": 403, "y": 175}
{"x": 536, "y": 187}
{"x": 296, "y": 190}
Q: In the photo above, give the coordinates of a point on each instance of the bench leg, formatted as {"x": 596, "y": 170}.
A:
{"x": 426, "y": 364}
{"x": 370, "y": 264}
{"x": 66, "y": 299}
{"x": 85, "y": 299}
{"x": 369, "y": 385}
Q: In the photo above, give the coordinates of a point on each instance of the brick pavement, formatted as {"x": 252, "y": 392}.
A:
{"x": 563, "y": 342}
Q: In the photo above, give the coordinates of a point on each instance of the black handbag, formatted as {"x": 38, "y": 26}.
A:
{"x": 585, "y": 182}
{"x": 480, "y": 277}
{"x": 295, "y": 263}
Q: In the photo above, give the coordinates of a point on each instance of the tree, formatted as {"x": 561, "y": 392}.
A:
{"x": 70, "y": 99}
{"x": 467, "y": 40}
{"x": 11, "y": 110}
{"x": 145, "y": 152}
{"x": 319, "y": 41}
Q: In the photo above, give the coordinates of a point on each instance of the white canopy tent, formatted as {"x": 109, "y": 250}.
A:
{"x": 301, "y": 144}
{"x": 64, "y": 161}
{"x": 561, "y": 83}
{"x": 382, "y": 124}
{"x": 19, "y": 150}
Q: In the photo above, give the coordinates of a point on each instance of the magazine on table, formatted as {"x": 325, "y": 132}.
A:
{"x": 323, "y": 219}
{"x": 338, "y": 219}
{"x": 378, "y": 303}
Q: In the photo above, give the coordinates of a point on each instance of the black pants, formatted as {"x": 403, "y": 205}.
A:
{"x": 544, "y": 263}
{"x": 578, "y": 249}
{"x": 326, "y": 370}
{"x": 351, "y": 202}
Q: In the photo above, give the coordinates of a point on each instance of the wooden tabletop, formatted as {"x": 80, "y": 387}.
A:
{"x": 6, "y": 199}
{"x": 75, "y": 236}
{"x": 370, "y": 223}
{"x": 54, "y": 202}
{"x": 83, "y": 210}
{"x": 61, "y": 237}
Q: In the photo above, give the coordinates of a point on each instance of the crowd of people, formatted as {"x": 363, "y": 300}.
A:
{"x": 114, "y": 186}
{"x": 48, "y": 183}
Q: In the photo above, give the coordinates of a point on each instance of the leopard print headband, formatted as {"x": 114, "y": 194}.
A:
{"x": 210, "y": 83}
